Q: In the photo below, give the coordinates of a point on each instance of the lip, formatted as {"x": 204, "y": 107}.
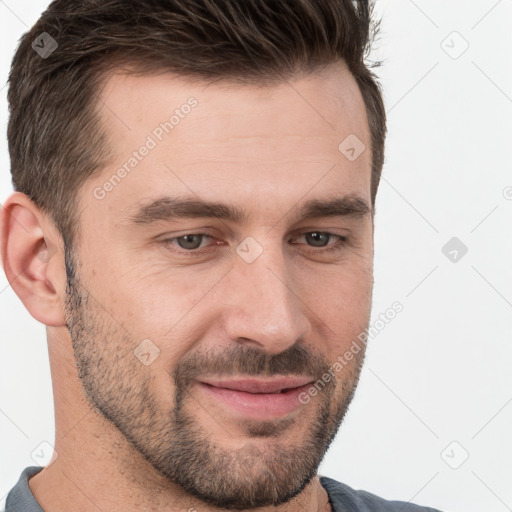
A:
{"x": 263, "y": 399}
{"x": 255, "y": 385}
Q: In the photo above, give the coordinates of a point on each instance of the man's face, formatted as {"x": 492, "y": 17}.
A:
{"x": 187, "y": 326}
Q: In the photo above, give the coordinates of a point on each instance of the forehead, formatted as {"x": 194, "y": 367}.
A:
{"x": 229, "y": 141}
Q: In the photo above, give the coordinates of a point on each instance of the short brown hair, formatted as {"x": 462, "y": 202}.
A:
{"x": 56, "y": 140}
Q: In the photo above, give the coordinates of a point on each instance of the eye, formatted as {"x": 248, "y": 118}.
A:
{"x": 189, "y": 242}
{"x": 319, "y": 239}
{"x": 192, "y": 243}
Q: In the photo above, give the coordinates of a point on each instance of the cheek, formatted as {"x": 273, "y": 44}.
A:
{"x": 342, "y": 308}
{"x": 171, "y": 310}
{"x": 342, "y": 292}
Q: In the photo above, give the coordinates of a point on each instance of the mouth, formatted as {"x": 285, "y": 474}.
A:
{"x": 263, "y": 399}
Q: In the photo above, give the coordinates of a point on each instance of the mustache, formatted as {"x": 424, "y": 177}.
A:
{"x": 250, "y": 361}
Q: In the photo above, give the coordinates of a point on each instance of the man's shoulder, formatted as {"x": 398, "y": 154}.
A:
{"x": 20, "y": 497}
{"x": 345, "y": 499}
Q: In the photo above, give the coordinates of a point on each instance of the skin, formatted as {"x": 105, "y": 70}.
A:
{"x": 266, "y": 150}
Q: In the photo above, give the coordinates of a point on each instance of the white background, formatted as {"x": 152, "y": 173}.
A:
{"x": 441, "y": 370}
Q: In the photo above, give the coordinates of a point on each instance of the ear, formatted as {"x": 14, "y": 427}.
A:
{"x": 33, "y": 259}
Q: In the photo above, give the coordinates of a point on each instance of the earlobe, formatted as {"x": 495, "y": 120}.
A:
{"x": 33, "y": 259}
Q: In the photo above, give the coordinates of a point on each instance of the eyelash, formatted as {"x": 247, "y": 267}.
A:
{"x": 342, "y": 241}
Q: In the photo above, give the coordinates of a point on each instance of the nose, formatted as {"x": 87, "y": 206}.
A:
{"x": 262, "y": 304}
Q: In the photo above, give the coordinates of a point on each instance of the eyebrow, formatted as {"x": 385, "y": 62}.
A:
{"x": 169, "y": 208}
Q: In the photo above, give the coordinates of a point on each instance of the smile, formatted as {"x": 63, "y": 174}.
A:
{"x": 257, "y": 398}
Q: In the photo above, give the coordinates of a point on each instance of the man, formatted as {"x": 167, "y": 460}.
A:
{"x": 193, "y": 222}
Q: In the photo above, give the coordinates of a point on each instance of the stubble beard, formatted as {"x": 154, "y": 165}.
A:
{"x": 266, "y": 470}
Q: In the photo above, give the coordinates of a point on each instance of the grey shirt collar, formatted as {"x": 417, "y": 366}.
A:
{"x": 341, "y": 497}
